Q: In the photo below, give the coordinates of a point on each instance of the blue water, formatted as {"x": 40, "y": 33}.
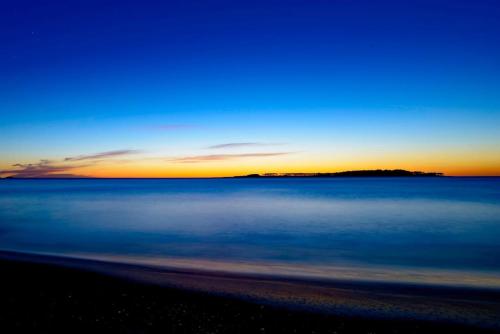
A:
{"x": 417, "y": 223}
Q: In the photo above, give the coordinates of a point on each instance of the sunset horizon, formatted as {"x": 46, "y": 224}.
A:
{"x": 222, "y": 161}
{"x": 193, "y": 90}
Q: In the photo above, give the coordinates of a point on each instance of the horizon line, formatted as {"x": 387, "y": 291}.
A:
{"x": 216, "y": 177}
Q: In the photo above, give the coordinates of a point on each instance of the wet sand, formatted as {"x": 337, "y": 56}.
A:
{"x": 55, "y": 294}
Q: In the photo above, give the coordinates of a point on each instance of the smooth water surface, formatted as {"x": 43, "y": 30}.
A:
{"x": 450, "y": 224}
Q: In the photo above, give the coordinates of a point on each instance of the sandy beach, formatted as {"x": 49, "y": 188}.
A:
{"x": 55, "y": 294}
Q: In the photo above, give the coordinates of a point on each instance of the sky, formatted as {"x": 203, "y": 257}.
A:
{"x": 221, "y": 88}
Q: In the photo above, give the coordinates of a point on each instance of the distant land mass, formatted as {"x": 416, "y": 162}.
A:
{"x": 356, "y": 173}
{"x": 353, "y": 173}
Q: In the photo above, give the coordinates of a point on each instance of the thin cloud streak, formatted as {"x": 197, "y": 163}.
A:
{"x": 237, "y": 145}
{"x": 103, "y": 155}
{"x": 223, "y": 157}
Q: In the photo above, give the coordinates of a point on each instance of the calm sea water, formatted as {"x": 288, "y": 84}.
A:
{"x": 368, "y": 226}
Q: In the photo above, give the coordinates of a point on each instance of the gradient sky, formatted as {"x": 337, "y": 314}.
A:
{"x": 215, "y": 88}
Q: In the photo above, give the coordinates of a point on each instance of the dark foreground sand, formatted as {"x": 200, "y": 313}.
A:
{"x": 41, "y": 294}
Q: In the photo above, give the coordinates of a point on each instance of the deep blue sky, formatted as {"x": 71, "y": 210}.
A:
{"x": 330, "y": 81}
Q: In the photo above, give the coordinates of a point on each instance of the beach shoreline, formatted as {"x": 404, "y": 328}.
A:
{"x": 385, "y": 305}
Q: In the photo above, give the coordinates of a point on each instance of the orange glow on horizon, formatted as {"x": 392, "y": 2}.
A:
{"x": 451, "y": 164}
{"x": 198, "y": 171}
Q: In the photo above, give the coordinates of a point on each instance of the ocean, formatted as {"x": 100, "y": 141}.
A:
{"x": 434, "y": 230}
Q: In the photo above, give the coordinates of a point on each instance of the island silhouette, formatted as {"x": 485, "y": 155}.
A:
{"x": 354, "y": 173}
{"x": 350, "y": 173}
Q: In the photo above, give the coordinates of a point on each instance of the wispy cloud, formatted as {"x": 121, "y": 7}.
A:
{"x": 103, "y": 155}
{"x": 220, "y": 157}
{"x": 238, "y": 145}
{"x": 42, "y": 169}
{"x": 62, "y": 168}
